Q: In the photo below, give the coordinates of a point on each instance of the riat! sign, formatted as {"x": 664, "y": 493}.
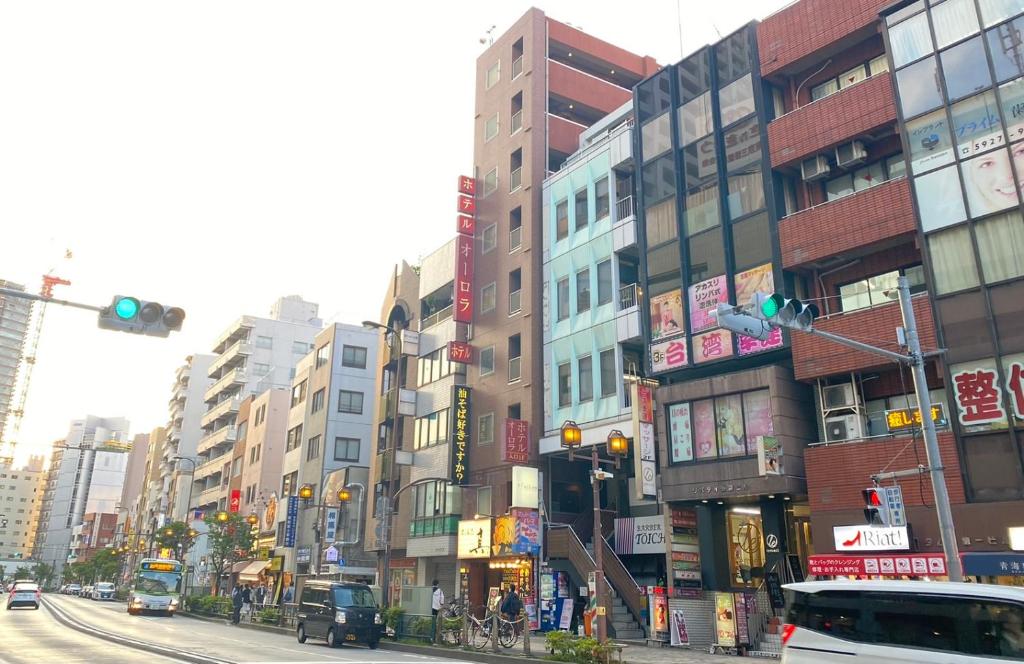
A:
{"x": 461, "y": 418}
{"x": 466, "y": 229}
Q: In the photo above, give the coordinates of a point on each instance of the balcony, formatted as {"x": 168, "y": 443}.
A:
{"x": 859, "y": 220}
{"x": 210, "y": 468}
{"x": 515, "y": 369}
{"x": 517, "y": 121}
{"x": 386, "y": 404}
{"x": 515, "y": 302}
{"x": 226, "y": 407}
{"x": 816, "y": 127}
{"x": 515, "y": 179}
{"x": 436, "y": 317}
{"x": 627, "y": 318}
{"x": 233, "y": 377}
{"x": 515, "y": 239}
{"x": 517, "y": 67}
{"x": 237, "y": 330}
{"x": 222, "y": 436}
{"x": 573, "y": 84}
{"x": 564, "y": 135}
{"x": 627, "y": 297}
{"x": 814, "y": 357}
{"x": 624, "y": 227}
{"x": 235, "y": 353}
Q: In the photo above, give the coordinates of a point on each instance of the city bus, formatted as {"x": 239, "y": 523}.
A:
{"x": 157, "y": 587}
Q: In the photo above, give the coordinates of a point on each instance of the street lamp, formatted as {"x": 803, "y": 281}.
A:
{"x": 617, "y": 446}
{"x": 306, "y": 492}
{"x": 396, "y": 337}
{"x": 252, "y": 519}
{"x": 222, "y": 516}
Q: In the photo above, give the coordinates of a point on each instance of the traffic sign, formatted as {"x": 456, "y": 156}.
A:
{"x": 331, "y": 555}
{"x": 894, "y": 500}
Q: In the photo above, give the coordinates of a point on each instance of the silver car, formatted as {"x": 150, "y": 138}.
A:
{"x": 103, "y": 591}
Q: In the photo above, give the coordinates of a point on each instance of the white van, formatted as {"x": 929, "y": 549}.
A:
{"x": 899, "y": 622}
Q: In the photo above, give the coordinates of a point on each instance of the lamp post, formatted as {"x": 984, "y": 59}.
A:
{"x": 396, "y": 341}
{"x": 191, "y": 481}
{"x": 617, "y": 446}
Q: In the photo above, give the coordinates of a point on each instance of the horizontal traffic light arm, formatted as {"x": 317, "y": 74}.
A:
{"x": 52, "y": 300}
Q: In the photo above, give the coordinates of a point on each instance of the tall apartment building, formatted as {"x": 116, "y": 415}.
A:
{"x": 96, "y": 532}
{"x": 131, "y": 491}
{"x": 21, "y": 498}
{"x": 14, "y": 317}
{"x": 538, "y": 86}
{"x": 153, "y": 502}
{"x": 253, "y": 354}
{"x": 81, "y": 481}
{"x": 334, "y": 390}
{"x": 186, "y": 408}
{"x": 262, "y": 459}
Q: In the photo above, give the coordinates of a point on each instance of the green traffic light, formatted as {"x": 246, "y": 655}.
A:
{"x": 770, "y": 307}
{"x": 126, "y": 308}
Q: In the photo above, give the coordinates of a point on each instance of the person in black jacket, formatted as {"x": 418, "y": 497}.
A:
{"x": 247, "y": 600}
{"x": 512, "y": 605}
{"x": 236, "y": 605}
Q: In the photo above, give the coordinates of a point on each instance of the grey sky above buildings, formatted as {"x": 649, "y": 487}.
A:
{"x": 219, "y": 156}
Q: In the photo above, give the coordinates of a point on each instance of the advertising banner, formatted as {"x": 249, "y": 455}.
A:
{"x": 527, "y": 534}
{"x": 461, "y": 419}
{"x": 658, "y": 608}
{"x": 725, "y": 620}
{"x": 713, "y": 345}
{"x": 504, "y": 535}
{"x": 516, "y": 448}
{"x": 667, "y": 314}
{"x": 871, "y": 538}
{"x": 668, "y": 355}
{"x": 236, "y": 500}
{"x": 680, "y": 435}
{"x": 748, "y": 282}
{"x": 643, "y": 534}
{"x": 742, "y": 629}
{"x": 769, "y": 455}
{"x": 463, "y": 279}
{"x": 678, "y": 626}
{"x": 330, "y": 524}
{"x": 291, "y": 520}
{"x": 474, "y": 539}
{"x": 704, "y": 298}
{"x": 892, "y": 565}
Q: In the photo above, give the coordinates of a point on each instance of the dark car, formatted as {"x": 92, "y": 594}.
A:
{"x": 338, "y": 612}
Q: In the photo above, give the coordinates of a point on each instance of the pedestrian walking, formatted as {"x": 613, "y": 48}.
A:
{"x": 436, "y": 599}
{"x": 247, "y": 601}
{"x": 511, "y": 606}
{"x": 236, "y": 605}
{"x": 261, "y": 596}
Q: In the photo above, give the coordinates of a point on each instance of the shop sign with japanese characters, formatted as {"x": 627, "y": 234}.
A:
{"x": 461, "y": 418}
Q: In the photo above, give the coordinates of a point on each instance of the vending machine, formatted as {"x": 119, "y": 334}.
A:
{"x": 555, "y": 601}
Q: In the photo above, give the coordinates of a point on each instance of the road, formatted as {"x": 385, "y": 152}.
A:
{"x": 36, "y": 636}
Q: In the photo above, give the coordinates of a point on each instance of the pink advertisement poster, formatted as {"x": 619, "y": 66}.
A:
{"x": 712, "y": 345}
{"x": 667, "y": 314}
{"x": 747, "y": 283}
{"x": 704, "y": 429}
{"x": 729, "y": 424}
{"x": 681, "y": 436}
{"x": 757, "y": 415}
{"x": 704, "y": 300}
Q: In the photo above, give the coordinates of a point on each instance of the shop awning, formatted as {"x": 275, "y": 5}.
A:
{"x": 994, "y": 564}
{"x": 252, "y": 570}
{"x": 916, "y": 564}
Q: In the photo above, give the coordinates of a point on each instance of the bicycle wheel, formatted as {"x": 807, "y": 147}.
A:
{"x": 507, "y": 636}
{"x": 479, "y": 635}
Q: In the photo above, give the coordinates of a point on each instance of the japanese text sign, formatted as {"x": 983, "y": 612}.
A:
{"x": 467, "y": 185}
{"x": 467, "y": 204}
{"x": 463, "y": 279}
{"x": 460, "y": 351}
{"x": 465, "y": 225}
{"x": 517, "y": 441}
{"x": 839, "y": 565}
{"x": 474, "y": 539}
{"x": 461, "y": 419}
{"x": 668, "y": 355}
{"x": 713, "y": 345}
{"x": 236, "y": 500}
{"x": 705, "y": 297}
{"x": 902, "y": 419}
{"x": 978, "y": 397}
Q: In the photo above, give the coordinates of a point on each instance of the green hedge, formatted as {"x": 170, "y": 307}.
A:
{"x": 565, "y": 647}
{"x": 208, "y": 605}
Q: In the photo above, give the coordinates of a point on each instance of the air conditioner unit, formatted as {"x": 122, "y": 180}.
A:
{"x": 843, "y": 427}
{"x": 814, "y": 168}
{"x": 838, "y": 396}
{"x": 851, "y": 154}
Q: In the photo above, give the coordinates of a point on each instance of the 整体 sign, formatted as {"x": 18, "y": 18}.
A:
{"x": 643, "y": 534}
{"x": 839, "y": 565}
{"x": 460, "y": 351}
{"x": 871, "y": 538}
{"x": 474, "y": 539}
{"x": 461, "y": 418}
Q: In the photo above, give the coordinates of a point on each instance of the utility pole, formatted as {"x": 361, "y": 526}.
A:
{"x": 766, "y": 312}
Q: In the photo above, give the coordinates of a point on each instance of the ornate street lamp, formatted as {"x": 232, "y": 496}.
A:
{"x": 618, "y": 444}
{"x": 571, "y": 435}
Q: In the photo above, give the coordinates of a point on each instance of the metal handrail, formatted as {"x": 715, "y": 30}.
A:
{"x": 627, "y": 297}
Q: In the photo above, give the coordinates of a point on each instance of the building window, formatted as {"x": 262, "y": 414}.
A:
{"x": 863, "y": 178}
{"x": 487, "y": 361}
{"x": 871, "y": 291}
{"x": 260, "y": 369}
{"x": 564, "y": 385}
{"x": 486, "y": 429}
{"x": 563, "y": 298}
{"x": 493, "y": 75}
{"x": 515, "y": 229}
{"x": 859, "y": 73}
{"x": 436, "y": 509}
{"x": 318, "y": 400}
{"x": 301, "y": 347}
{"x": 346, "y": 449}
{"x": 583, "y": 290}
{"x": 586, "y": 378}
{"x": 435, "y": 366}
{"x": 491, "y": 130}
{"x": 515, "y": 286}
{"x": 483, "y": 500}
{"x": 353, "y": 357}
{"x": 431, "y": 430}
{"x": 489, "y": 238}
{"x": 515, "y": 365}
{"x": 488, "y": 297}
{"x": 490, "y": 182}
{"x": 561, "y": 220}
{"x": 264, "y": 342}
{"x": 313, "y": 450}
{"x": 350, "y": 402}
{"x": 323, "y": 355}
{"x": 580, "y": 209}
{"x": 609, "y": 384}
{"x": 299, "y": 393}
{"x": 602, "y": 201}
{"x": 721, "y": 427}
{"x": 604, "y": 282}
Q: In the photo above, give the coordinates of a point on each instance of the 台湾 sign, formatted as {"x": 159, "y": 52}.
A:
{"x": 461, "y": 419}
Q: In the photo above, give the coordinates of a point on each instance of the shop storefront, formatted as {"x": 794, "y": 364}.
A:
{"x": 403, "y": 575}
{"x": 1000, "y": 568}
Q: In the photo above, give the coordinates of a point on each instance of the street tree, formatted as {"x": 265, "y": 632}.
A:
{"x": 23, "y": 573}
{"x": 104, "y": 565}
{"x": 43, "y": 573}
{"x": 230, "y": 540}
{"x": 178, "y": 537}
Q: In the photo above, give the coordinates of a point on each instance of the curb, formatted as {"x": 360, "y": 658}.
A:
{"x": 458, "y": 653}
{"x": 64, "y": 618}
{"x": 274, "y": 629}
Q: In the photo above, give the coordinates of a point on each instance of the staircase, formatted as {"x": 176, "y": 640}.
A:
{"x": 624, "y": 625}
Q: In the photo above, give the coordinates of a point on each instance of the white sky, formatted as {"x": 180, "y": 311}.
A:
{"x": 218, "y": 155}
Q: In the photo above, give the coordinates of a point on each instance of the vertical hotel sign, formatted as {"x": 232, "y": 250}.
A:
{"x": 460, "y": 435}
{"x": 465, "y": 226}
{"x": 644, "y": 466}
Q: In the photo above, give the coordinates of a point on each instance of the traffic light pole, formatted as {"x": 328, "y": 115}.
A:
{"x": 50, "y": 300}
{"x": 944, "y": 512}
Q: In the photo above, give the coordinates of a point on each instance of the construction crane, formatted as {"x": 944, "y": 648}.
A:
{"x": 7, "y": 448}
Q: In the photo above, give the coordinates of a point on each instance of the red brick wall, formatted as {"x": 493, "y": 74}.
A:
{"x": 585, "y": 89}
{"x": 563, "y": 135}
{"x": 814, "y": 357}
{"x": 808, "y": 26}
{"x": 836, "y": 474}
{"x": 849, "y": 113}
{"x": 882, "y": 212}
